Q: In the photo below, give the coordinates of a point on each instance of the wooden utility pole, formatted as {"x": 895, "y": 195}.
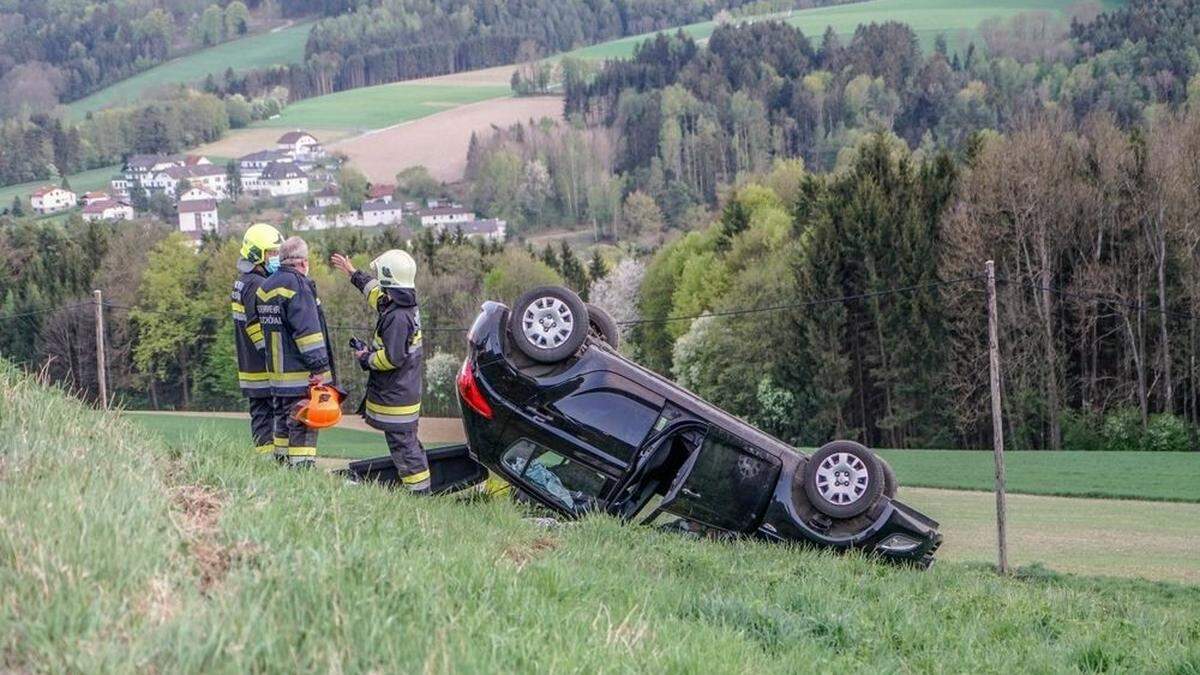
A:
{"x": 101, "y": 366}
{"x": 997, "y": 417}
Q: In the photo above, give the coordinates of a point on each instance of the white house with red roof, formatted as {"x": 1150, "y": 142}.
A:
{"x": 107, "y": 209}
{"x": 197, "y": 217}
{"x": 198, "y": 193}
{"x": 380, "y": 192}
{"x": 52, "y": 199}
{"x": 300, "y": 145}
{"x": 94, "y": 196}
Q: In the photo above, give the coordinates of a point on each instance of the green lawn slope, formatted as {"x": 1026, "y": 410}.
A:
{"x": 279, "y": 47}
{"x": 379, "y": 106}
{"x": 928, "y": 18}
{"x": 120, "y": 551}
{"x": 84, "y": 181}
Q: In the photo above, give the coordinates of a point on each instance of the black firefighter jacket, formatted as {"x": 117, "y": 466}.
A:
{"x": 296, "y": 335}
{"x": 394, "y": 357}
{"x": 248, "y": 338}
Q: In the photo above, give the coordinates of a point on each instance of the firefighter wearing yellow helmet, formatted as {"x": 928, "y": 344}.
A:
{"x": 259, "y": 257}
{"x": 393, "y": 359}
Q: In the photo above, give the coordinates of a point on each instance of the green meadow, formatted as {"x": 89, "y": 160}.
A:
{"x": 928, "y": 18}
{"x": 279, "y": 47}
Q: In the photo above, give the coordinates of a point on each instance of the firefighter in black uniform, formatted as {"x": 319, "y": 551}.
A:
{"x": 393, "y": 359}
{"x": 298, "y": 352}
{"x": 260, "y": 257}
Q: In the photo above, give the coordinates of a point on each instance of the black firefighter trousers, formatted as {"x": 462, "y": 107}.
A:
{"x": 262, "y": 423}
{"x": 409, "y": 457}
{"x": 292, "y": 438}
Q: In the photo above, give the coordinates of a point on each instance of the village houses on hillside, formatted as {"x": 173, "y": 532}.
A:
{"x": 196, "y": 186}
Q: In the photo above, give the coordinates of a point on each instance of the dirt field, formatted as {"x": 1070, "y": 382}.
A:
{"x": 439, "y": 142}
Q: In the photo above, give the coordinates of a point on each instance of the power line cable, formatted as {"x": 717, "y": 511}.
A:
{"x": 48, "y": 310}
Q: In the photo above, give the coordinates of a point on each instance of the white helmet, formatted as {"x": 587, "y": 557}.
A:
{"x": 395, "y": 269}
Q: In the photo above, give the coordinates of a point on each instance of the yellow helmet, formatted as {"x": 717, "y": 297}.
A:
{"x": 259, "y": 239}
{"x": 395, "y": 269}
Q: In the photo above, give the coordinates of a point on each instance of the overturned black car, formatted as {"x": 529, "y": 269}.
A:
{"x": 549, "y": 405}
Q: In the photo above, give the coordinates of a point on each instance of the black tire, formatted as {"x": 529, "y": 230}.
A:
{"x": 602, "y": 326}
{"x": 548, "y": 324}
{"x": 890, "y": 484}
{"x": 852, "y": 463}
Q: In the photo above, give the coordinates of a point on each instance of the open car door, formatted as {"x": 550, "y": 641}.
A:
{"x": 725, "y": 484}
{"x": 450, "y": 469}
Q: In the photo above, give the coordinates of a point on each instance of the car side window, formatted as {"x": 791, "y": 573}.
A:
{"x": 571, "y": 484}
{"x": 620, "y": 414}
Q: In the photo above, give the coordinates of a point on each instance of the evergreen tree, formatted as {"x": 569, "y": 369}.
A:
{"x": 550, "y": 258}
{"x": 572, "y": 270}
{"x": 233, "y": 179}
{"x": 18, "y": 209}
{"x": 597, "y": 270}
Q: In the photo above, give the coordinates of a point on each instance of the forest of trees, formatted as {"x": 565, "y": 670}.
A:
{"x": 1093, "y": 230}
{"x": 693, "y": 118}
{"x": 45, "y": 147}
{"x": 64, "y": 50}
{"x": 169, "y": 331}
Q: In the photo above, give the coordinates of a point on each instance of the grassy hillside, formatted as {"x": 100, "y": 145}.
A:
{"x": 928, "y": 19}
{"x": 279, "y": 47}
{"x": 84, "y": 181}
{"x": 120, "y": 552}
{"x": 378, "y": 107}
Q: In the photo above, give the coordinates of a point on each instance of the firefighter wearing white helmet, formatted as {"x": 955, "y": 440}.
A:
{"x": 393, "y": 359}
{"x": 259, "y": 258}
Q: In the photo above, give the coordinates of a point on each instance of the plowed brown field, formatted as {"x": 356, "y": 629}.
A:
{"x": 439, "y": 141}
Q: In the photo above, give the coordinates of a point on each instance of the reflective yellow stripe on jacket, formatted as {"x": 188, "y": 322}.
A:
{"x": 281, "y": 292}
{"x": 393, "y": 414}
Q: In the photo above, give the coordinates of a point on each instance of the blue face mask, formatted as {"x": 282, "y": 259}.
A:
{"x": 272, "y": 265}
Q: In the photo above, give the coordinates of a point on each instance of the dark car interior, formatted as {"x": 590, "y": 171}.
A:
{"x": 658, "y": 467}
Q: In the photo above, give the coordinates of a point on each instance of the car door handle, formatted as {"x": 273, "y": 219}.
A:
{"x": 688, "y": 492}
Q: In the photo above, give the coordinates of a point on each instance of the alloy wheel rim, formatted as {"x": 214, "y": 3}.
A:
{"x": 547, "y": 322}
{"x": 842, "y": 478}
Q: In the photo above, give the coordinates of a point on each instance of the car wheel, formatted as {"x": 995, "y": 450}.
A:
{"x": 548, "y": 324}
{"x": 843, "y": 479}
{"x": 602, "y": 326}
{"x": 890, "y": 484}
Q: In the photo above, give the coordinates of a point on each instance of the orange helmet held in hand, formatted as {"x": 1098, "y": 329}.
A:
{"x": 323, "y": 408}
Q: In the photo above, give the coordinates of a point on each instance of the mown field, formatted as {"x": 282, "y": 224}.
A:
{"x": 278, "y": 47}
{"x": 928, "y": 18}
{"x": 381, "y": 106}
{"x": 1173, "y": 476}
{"x": 120, "y": 551}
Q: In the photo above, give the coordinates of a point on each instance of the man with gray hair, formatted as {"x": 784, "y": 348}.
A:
{"x": 298, "y": 350}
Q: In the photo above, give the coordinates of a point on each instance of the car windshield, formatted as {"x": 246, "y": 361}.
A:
{"x": 566, "y": 482}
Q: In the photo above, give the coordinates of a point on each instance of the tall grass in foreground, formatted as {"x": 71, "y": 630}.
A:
{"x": 119, "y": 553}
